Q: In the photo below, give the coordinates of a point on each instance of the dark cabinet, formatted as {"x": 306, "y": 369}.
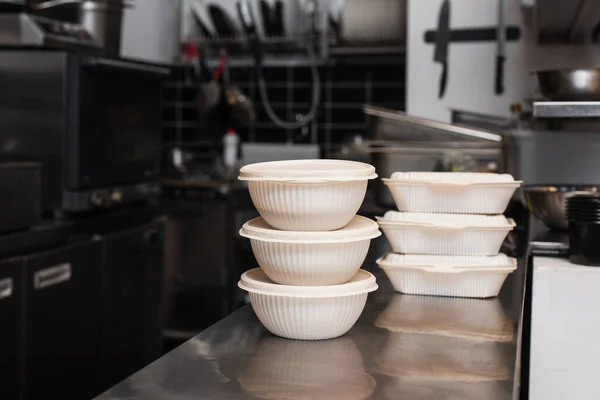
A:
{"x": 63, "y": 327}
{"x": 133, "y": 282}
{"x": 11, "y": 328}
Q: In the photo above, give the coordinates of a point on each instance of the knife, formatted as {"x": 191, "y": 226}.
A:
{"x": 442, "y": 38}
{"x": 501, "y": 50}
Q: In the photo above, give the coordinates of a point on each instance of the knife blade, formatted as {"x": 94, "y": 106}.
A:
{"x": 501, "y": 49}
{"x": 442, "y": 39}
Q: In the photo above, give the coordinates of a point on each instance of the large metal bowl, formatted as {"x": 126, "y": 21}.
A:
{"x": 570, "y": 84}
{"x": 548, "y": 202}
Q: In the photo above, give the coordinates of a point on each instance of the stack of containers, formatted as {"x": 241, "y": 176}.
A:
{"x": 448, "y": 232}
{"x": 309, "y": 244}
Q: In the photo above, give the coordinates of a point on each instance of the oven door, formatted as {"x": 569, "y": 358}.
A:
{"x": 115, "y": 122}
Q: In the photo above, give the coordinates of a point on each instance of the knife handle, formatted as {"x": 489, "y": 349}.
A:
{"x": 499, "y": 84}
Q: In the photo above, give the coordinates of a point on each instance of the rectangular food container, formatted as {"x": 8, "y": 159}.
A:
{"x": 480, "y": 277}
{"x": 452, "y": 192}
{"x": 448, "y": 234}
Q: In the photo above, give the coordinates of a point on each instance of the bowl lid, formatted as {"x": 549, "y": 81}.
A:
{"x": 443, "y": 263}
{"x": 307, "y": 170}
{"x": 359, "y": 228}
{"x": 445, "y": 220}
{"x": 256, "y": 281}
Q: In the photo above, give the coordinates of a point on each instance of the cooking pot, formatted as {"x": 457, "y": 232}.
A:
{"x": 103, "y": 19}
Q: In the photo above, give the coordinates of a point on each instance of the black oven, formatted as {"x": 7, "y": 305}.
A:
{"x": 94, "y": 123}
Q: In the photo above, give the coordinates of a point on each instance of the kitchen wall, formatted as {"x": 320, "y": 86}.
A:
{"x": 345, "y": 88}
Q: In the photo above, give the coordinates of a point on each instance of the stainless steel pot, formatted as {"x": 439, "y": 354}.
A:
{"x": 103, "y": 19}
{"x": 570, "y": 84}
{"x": 390, "y": 157}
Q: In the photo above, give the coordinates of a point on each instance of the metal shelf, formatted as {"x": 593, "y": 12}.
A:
{"x": 566, "y": 109}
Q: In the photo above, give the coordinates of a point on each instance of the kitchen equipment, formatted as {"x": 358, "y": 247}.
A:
{"x": 376, "y": 22}
{"x": 445, "y": 234}
{"x": 21, "y": 185}
{"x": 100, "y": 147}
{"x": 548, "y": 202}
{"x": 583, "y": 214}
{"x": 307, "y": 312}
{"x": 478, "y": 277}
{"x": 387, "y": 124}
{"x": 311, "y": 258}
{"x": 272, "y": 16}
{"x": 452, "y": 192}
{"x": 570, "y": 84}
{"x": 26, "y": 30}
{"x": 442, "y": 39}
{"x": 389, "y": 157}
{"x": 461, "y": 317}
{"x": 501, "y": 50}
{"x": 307, "y": 195}
{"x": 104, "y": 20}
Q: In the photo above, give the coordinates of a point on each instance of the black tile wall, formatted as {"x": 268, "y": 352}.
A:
{"x": 344, "y": 90}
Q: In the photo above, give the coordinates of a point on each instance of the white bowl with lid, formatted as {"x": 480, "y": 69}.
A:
{"x": 303, "y": 258}
{"x": 307, "y": 312}
{"x": 307, "y": 195}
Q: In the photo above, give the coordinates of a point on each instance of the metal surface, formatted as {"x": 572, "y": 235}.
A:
{"x": 237, "y": 359}
{"x": 570, "y": 84}
{"x": 396, "y": 125}
{"x": 442, "y": 40}
{"x": 548, "y": 157}
{"x": 548, "y": 202}
{"x": 566, "y": 109}
{"x": 104, "y": 21}
{"x": 572, "y": 21}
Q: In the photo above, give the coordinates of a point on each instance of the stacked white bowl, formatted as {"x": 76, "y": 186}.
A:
{"x": 309, "y": 244}
{"x": 448, "y": 233}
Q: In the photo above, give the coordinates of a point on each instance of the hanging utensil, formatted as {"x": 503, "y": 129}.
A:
{"x": 442, "y": 39}
{"x": 501, "y": 50}
{"x": 209, "y": 94}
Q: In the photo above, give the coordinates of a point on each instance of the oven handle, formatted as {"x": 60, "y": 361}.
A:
{"x": 124, "y": 65}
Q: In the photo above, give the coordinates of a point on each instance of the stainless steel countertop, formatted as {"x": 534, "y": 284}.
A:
{"x": 402, "y": 347}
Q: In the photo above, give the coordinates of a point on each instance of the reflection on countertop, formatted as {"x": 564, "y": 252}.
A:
{"x": 403, "y": 347}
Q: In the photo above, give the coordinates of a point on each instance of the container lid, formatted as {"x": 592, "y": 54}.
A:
{"x": 359, "y": 228}
{"x": 308, "y": 170}
{"x": 453, "y": 178}
{"x": 256, "y": 281}
{"x": 447, "y": 220}
{"x": 441, "y": 263}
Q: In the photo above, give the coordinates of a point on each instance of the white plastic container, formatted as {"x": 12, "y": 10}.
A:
{"x": 307, "y": 312}
{"x": 442, "y": 358}
{"x": 307, "y": 195}
{"x": 311, "y": 258}
{"x": 295, "y": 369}
{"x": 452, "y": 192}
{"x": 478, "y": 277}
{"x": 450, "y": 234}
{"x": 479, "y": 319}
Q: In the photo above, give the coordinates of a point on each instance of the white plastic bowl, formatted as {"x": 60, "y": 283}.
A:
{"x": 307, "y": 195}
{"x": 448, "y": 234}
{"x": 452, "y": 192}
{"x": 481, "y": 277}
{"x": 307, "y": 312}
{"x": 311, "y": 258}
